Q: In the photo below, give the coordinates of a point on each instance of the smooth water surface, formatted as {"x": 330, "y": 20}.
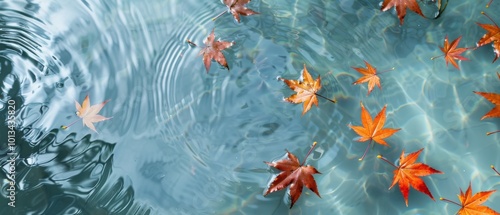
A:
{"x": 183, "y": 141}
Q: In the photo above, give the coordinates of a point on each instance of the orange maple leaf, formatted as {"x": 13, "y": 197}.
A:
{"x": 306, "y": 90}
{"x": 492, "y": 36}
{"x": 401, "y": 6}
{"x": 493, "y": 98}
{"x": 294, "y": 174}
{"x": 373, "y": 129}
{"x": 408, "y": 173}
{"x": 472, "y": 205}
{"x": 451, "y": 52}
{"x": 369, "y": 75}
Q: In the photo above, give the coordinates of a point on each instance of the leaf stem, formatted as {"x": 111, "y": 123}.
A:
{"x": 333, "y": 101}
{"x": 482, "y": 12}
{"x": 191, "y": 43}
{"x": 220, "y": 14}
{"x": 384, "y": 159}
{"x": 488, "y": 5}
{"x": 64, "y": 127}
{"x": 492, "y": 132}
{"x": 493, "y": 168}
{"x": 387, "y": 70}
{"x": 308, "y": 153}
{"x": 366, "y": 150}
{"x": 447, "y": 200}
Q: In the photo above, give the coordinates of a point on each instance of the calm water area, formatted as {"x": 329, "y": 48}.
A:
{"x": 184, "y": 141}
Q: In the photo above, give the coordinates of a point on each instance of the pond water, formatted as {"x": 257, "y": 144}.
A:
{"x": 183, "y": 141}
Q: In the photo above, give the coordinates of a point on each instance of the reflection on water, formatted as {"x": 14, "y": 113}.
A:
{"x": 182, "y": 141}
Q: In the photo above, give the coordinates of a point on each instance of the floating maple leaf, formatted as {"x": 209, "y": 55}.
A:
{"x": 472, "y": 204}
{"x": 294, "y": 174}
{"x": 237, "y": 8}
{"x": 493, "y": 98}
{"x": 373, "y": 129}
{"x": 451, "y": 52}
{"x": 306, "y": 90}
{"x": 369, "y": 75}
{"x": 408, "y": 173}
{"x": 212, "y": 50}
{"x": 401, "y": 6}
{"x": 88, "y": 114}
{"x": 492, "y": 36}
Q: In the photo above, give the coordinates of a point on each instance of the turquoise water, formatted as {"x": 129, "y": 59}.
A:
{"x": 183, "y": 141}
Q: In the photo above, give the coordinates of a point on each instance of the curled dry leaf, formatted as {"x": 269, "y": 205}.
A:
{"x": 295, "y": 175}
{"x": 408, "y": 173}
{"x": 472, "y": 204}
{"x": 237, "y": 8}
{"x": 212, "y": 50}
{"x": 401, "y": 6}
{"x": 372, "y": 129}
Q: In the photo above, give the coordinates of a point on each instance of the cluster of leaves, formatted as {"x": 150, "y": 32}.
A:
{"x": 295, "y": 174}
{"x": 408, "y": 173}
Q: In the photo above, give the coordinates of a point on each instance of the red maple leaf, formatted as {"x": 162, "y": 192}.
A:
{"x": 294, "y": 174}
{"x": 408, "y": 173}
{"x": 212, "y": 50}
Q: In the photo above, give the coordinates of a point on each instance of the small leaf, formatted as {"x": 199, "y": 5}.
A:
{"x": 89, "y": 114}
{"x": 452, "y": 53}
{"x": 212, "y": 50}
{"x": 237, "y": 8}
{"x": 370, "y": 76}
{"x": 306, "y": 90}
{"x": 492, "y": 36}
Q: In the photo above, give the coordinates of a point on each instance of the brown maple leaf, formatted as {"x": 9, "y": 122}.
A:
{"x": 295, "y": 175}
{"x": 306, "y": 89}
{"x": 451, "y": 52}
{"x": 373, "y": 129}
{"x": 472, "y": 204}
{"x": 492, "y": 36}
{"x": 401, "y": 6}
{"x": 237, "y": 8}
{"x": 369, "y": 75}
{"x": 212, "y": 50}
{"x": 408, "y": 173}
{"x": 88, "y": 114}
